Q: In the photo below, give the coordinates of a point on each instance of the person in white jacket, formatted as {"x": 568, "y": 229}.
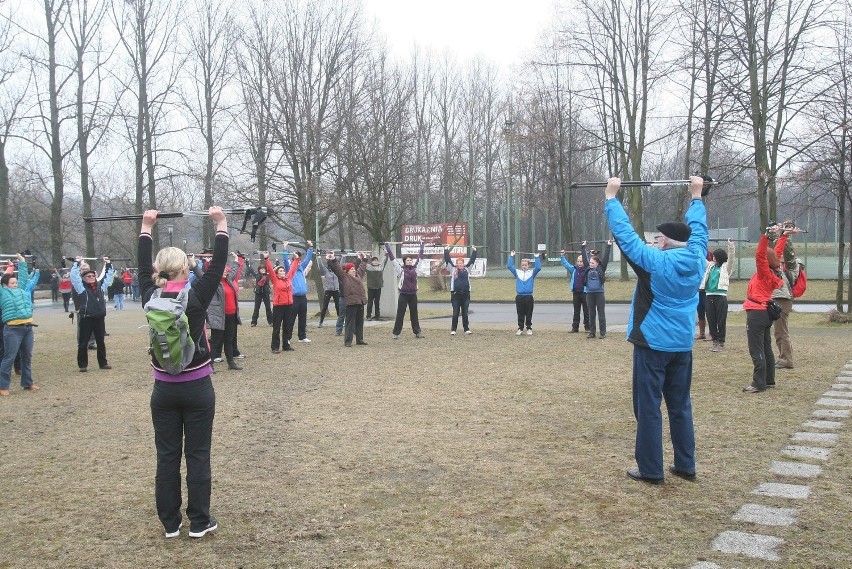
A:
{"x": 717, "y": 278}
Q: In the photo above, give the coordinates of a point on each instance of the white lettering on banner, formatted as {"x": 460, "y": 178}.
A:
{"x": 432, "y": 267}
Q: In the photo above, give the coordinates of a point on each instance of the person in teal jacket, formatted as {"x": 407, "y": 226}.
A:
{"x": 660, "y": 327}
{"x": 17, "y": 313}
{"x": 524, "y": 285}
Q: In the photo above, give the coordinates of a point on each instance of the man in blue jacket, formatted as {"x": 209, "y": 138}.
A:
{"x": 300, "y": 290}
{"x": 524, "y": 287}
{"x": 662, "y": 319}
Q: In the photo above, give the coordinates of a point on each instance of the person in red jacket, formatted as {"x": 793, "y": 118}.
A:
{"x": 282, "y": 302}
{"x": 758, "y": 324}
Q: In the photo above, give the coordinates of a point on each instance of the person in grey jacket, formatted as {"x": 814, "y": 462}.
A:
{"x": 331, "y": 290}
{"x": 375, "y": 281}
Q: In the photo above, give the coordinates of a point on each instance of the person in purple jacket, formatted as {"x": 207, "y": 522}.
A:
{"x": 183, "y": 405}
{"x": 406, "y": 273}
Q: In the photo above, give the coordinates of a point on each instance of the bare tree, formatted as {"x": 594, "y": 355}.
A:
{"x": 211, "y": 68}
{"x": 621, "y": 45}
{"x": 146, "y": 31}
{"x": 13, "y": 90}
{"x": 93, "y": 117}
{"x": 321, "y": 44}
{"x": 255, "y": 120}
{"x": 771, "y": 74}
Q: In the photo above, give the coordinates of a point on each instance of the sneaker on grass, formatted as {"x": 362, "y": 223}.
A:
{"x": 211, "y": 527}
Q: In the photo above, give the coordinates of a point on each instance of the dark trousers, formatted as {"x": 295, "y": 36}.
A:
{"x": 87, "y": 328}
{"x": 326, "y": 300}
{"x": 657, "y": 376}
{"x": 283, "y": 315}
{"x": 579, "y": 299}
{"x": 300, "y": 306}
{"x": 759, "y": 334}
{"x": 224, "y": 340}
{"x": 597, "y": 311}
{"x": 461, "y": 302}
{"x": 354, "y": 324}
{"x": 524, "y": 304}
{"x": 183, "y": 413}
{"x": 66, "y": 298}
{"x": 374, "y": 297}
{"x": 702, "y": 304}
{"x": 716, "y": 309}
{"x": 258, "y": 300}
{"x": 406, "y": 301}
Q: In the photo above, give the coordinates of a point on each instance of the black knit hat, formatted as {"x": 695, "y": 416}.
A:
{"x": 675, "y": 230}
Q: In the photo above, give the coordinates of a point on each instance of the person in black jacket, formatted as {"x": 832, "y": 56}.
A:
{"x": 183, "y": 406}
{"x": 261, "y": 295}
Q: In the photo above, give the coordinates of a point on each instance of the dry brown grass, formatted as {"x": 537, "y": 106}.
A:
{"x": 483, "y": 451}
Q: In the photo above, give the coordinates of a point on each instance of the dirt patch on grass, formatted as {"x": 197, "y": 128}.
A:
{"x": 487, "y": 450}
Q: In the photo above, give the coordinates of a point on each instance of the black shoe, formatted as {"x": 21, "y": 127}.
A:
{"x": 338, "y": 333}
{"x": 682, "y": 474}
{"x": 635, "y": 475}
{"x": 275, "y": 351}
{"x": 602, "y": 336}
{"x": 419, "y": 336}
{"x": 212, "y": 525}
{"x": 574, "y": 331}
{"x": 288, "y": 349}
{"x": 349, "y": 345}
{"x": 233, "y": 366}
{"x": 361, "y": 343}
{"x": 253, "y": 324}
{"x": 106, "y": 367}
{"x": 590, "y": 335}
{"x": 83, "y": 369}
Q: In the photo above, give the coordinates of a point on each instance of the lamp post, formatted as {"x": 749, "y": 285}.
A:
{"x": 507, "y": 131}
{"x": 170, "y": 228}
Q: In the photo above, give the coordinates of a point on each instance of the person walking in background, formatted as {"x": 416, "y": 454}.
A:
{"x": 331, "y": 291}
{"x": 375, "y": 282}
{"x": 577, "y": 272}
{"x": 134, "y": 285}
{"x": 91, "y": 305}
{"x": 54, "y": 286}
{"x": 459, "y": 288}
{"x": 594, "y": 283}
{"x": 300, "y": 290}
{"x": 282, "y": 303}
{"x": 783, "y": 295}
{"x": 661, "y": 328}
{"x": 183, "y": 406}
{"x": 262, "y": 292}
{"x": 65, "y": 288}
{"x": 524, "y": 288}
{"x": 406, "y": 274}
{"x": 117, "y": 289}
{"x": 16, "y": 312}
{"x": 763, "y": 282}
{"x": 717, "y": 278}
{"x": 354, "y": 297}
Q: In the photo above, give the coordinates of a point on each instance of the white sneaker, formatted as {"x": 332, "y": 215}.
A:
{"x": 519, "y": 332}
{"x": 395, "y": 337}
{"x": 217, "y": 360}
{"x": 173, "y": 534}
{"x": 468, "y": 331}
{"x": 240, "y": 357}
{"x": 529, "y": 331}
{"x": 452, "y": 332}
{"x": 305, "y": 340}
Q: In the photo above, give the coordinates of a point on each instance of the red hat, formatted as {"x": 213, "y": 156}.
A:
{"x": 348, "y": 266}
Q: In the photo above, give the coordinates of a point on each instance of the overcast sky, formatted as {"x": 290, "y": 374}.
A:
{"x": 499, "y": 30}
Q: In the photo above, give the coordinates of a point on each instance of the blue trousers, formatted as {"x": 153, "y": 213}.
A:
{"x": 657, "y": 376}
{"x": 17, "y": 340}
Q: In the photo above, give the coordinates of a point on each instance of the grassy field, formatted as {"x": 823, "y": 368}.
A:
{"x": 475, "y": 451}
